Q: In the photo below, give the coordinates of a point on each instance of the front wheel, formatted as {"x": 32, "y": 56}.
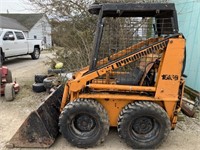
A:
{"x": 143, "y": 125}
{"x": 9, "y": 92}
{"x": 84, "y": 123}
{"x": 36, "y": 53}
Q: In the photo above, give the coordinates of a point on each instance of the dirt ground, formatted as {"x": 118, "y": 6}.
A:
{"x": 12, "y": 114}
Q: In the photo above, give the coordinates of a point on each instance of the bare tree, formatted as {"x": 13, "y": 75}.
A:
{"x": 73, "y": 28}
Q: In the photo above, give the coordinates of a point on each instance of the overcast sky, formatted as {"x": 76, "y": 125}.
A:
{"x": 15, "y": 6}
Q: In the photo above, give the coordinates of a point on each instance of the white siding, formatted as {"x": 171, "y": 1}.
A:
{"x": 41, "y": 30}
{"x": 26, "y": 33}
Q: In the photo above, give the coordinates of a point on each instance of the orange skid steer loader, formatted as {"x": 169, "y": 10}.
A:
{"x": 134, "y": 82}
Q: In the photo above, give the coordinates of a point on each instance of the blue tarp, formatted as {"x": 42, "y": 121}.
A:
{"x": 189, "y": 24}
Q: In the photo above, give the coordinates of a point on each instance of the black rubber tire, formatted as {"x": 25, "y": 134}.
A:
{"x": 1, "y": 59}
{"x": 9, "y": 92}
{"x": 9, "y": 77}
{"x": 38, "y": 87}
{"x": 48, "y": 82}
{"x": 143, "y": 125}
{"x": 51, "y": 71}
{"x": 39, "y": 78}
{"x": 36, "y": 53}
{"x": 75, "y": 128}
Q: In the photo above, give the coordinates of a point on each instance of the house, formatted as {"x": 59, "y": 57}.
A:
{"x": 189, "y": 24}
{"x": 36, "y": 26}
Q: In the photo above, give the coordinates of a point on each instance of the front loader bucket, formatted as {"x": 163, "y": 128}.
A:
{"x": 40, "y": 129}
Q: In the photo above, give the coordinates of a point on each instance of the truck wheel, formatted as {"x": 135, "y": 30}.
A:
{"x": 39, "y": 78}
{"x": 1, "y": 59}
{"x": 9, "y": 92}
{"x": 143, "y": 125}
{"x": 36, "y": 53}
{"x": 38, "y": 87}
{"x": 84, "y": 123}
{"x": 9, "y": 77}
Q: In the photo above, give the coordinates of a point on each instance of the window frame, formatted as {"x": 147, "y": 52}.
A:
{"x": 19, "y": 37}
{"x": 7, "y": 38}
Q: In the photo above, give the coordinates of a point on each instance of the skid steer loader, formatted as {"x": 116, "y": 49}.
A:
{"x": 134, "y": 82}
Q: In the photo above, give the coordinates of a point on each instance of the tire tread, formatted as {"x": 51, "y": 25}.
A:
{"x": 139, "y": 106}
{"x": 90, "y": 104}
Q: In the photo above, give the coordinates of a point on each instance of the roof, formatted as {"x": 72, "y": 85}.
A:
{"x": 9, "y": 23}
{"x": 133, "y": 9}
{"x": 27, "y": 20}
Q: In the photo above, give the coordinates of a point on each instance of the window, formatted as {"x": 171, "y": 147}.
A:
{"x": 45, "y": 40}
{"x": 8, "y": 35}
{"x": 19, "y": 35}
{"x": 35, "y": 37}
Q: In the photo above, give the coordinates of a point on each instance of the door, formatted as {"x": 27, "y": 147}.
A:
{"x": 21, "y": 43}
{"x": 9, "y": 44}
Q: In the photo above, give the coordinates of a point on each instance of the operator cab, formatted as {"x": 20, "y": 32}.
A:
{"x": 119, "y": 30}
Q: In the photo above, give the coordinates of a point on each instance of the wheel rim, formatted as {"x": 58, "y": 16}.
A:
{"x": 144, "y": 128}
{"x": 83, "y": 126}
{"x": 37, "y": 53}
{"x": 84, "y": 123}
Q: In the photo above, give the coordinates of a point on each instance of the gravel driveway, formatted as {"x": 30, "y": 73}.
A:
{"x": 12, "y": 114}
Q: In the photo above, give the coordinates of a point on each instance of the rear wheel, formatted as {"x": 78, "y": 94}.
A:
{"x": 9, "y": 92}
{"x": 36, "y": 53}
{"x": 143, "y": 125}
{"x": 9, "y": 76}
{"x": 1, "y": 59}
{"x": 84, "y": 123}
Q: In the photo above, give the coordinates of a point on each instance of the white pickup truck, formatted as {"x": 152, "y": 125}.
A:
{"x": 14, "y": 43}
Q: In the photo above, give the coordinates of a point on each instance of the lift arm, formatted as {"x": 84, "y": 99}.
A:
{"x": 80, "y": 82}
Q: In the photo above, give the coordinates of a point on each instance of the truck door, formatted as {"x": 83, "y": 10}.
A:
{"x": 9, "y": 44}
{"x": 21, "y": 43}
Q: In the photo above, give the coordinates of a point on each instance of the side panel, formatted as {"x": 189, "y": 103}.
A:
{"x": 32, "y": 44}
{"x": 170, "y": 70}
{"x": 113, "y": 108}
